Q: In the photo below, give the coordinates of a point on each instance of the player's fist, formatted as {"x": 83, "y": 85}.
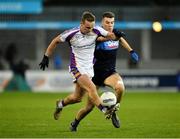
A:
{"x": 134, "y": 56}
{"x": 118, "y": 33}
{"x": 44, "y": 63}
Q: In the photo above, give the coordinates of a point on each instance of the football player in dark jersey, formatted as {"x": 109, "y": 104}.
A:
{"x": 105, "y": 69}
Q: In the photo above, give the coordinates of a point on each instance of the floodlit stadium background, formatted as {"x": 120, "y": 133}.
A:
{"x": 32, "y": 24}
{"x": 150, "y": 107}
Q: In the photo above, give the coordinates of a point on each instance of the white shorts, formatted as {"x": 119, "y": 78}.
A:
{"x": 76, "y": 72}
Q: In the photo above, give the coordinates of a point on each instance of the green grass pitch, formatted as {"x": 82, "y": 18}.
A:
{"x": 143, "y": 115}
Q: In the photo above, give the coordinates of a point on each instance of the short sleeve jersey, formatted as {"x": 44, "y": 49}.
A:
{"x": 82, "y": 46}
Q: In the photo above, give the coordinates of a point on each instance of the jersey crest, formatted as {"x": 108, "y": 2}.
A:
{"x": 108, "y": 45}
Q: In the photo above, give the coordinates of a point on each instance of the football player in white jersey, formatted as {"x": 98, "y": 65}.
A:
{"x": 82, "y": 41}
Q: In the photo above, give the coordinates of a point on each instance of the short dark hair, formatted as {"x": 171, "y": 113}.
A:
{"x": 88, "y": 16}
{"x": 108, "y": 15}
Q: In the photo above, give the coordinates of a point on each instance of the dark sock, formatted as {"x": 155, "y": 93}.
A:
{"x": 75, "y": 122}
{"x": 102, "y": 108}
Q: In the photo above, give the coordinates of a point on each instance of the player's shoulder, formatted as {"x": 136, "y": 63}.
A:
{"x": 97, "y": 27}
{"x": 100, "y": 31}
{"x": 72, "y": 30}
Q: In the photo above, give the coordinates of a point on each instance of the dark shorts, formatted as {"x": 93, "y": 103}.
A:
{"x": 101, "y": 75}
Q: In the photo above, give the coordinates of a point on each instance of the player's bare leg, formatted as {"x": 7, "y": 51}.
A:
{"x": 70, "y": 99}
{"x": 115, "y": 81}
{"x": 74, "y": 97}
{"x": 85, "y": 82}
{"x": 81, "y": 114}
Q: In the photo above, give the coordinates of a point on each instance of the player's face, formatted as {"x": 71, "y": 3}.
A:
{"x": 108, "y": 23}
{"x": 86, "y": 27}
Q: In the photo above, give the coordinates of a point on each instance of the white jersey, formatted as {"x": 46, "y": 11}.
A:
{"x": 82, "y": 48}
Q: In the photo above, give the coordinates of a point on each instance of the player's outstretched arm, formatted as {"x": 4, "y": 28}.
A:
{"x": 125, "y": 44}
{"x": 45, "y": 61}
{"x": 134, "y": 55}
{"x": 52, "y": 46}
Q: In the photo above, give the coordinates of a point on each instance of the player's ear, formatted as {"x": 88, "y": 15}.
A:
{"x": 82, "y": 22}
{"x": 102, "y": 21}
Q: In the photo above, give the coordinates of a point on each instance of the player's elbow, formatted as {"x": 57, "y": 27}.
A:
{"x": 55, "y": 41}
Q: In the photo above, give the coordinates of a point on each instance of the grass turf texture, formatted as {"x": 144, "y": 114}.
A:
{"x": 143, "y": 115}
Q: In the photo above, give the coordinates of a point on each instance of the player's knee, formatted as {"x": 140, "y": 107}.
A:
{"x": 119, "y": 89}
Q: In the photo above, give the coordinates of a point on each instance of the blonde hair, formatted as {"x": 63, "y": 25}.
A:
{"x": 87, "y": 16}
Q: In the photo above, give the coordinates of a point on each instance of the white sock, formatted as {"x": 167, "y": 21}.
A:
{"x": 60, "y": 105}
{"x": 104, "y": 110}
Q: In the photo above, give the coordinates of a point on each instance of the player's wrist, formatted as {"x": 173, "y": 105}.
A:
{"x": 46, "y": 55}
{"x": 131, "y": 51}
{"x": 46, "y": 59}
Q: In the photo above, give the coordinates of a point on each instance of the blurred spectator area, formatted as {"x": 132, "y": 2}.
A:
{"x": 73, "y": 13}
{"x": 163, "y": 48}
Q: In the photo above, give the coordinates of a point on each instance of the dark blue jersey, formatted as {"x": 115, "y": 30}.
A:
{"x": 105, "y": 60}
{"x": 105, "y": 55}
